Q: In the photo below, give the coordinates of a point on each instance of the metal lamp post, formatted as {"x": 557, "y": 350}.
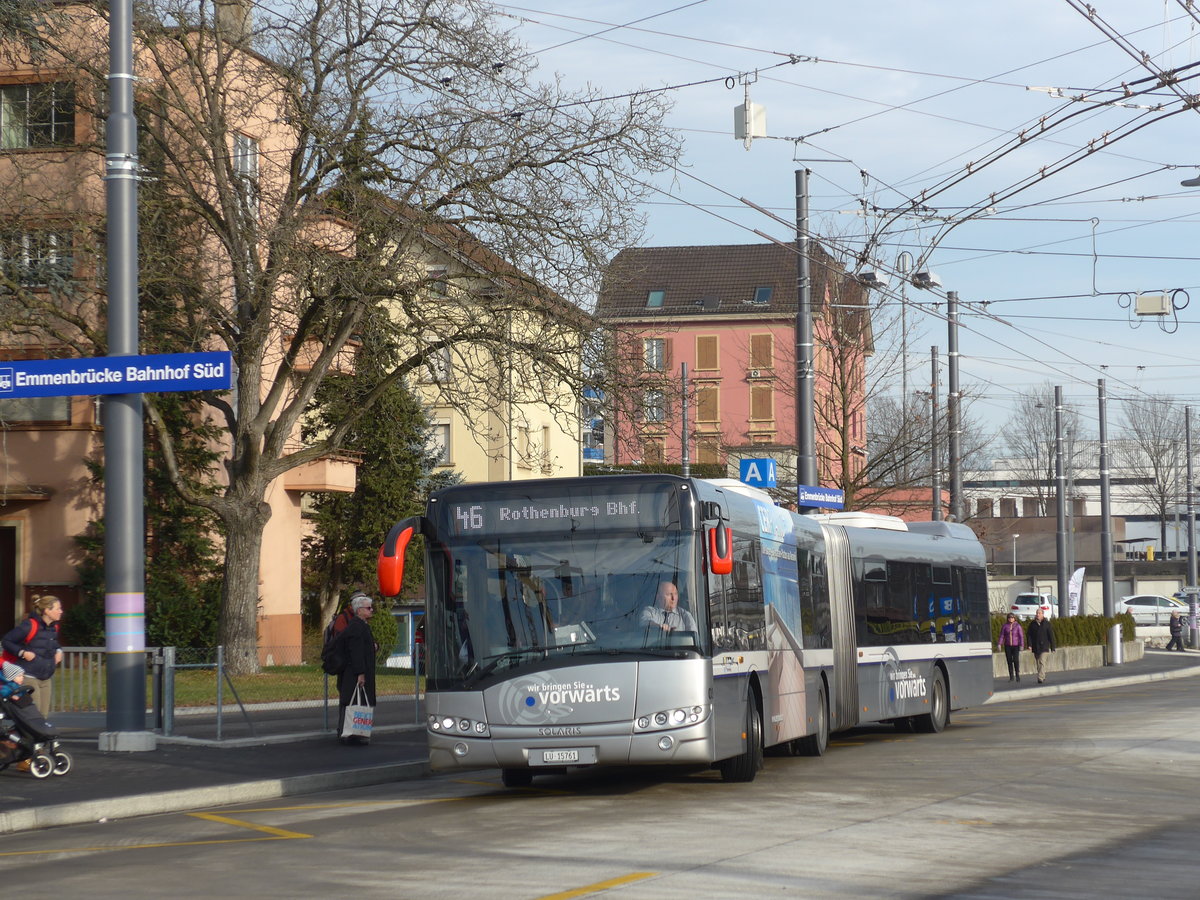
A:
{"x": 1014, "y": 554}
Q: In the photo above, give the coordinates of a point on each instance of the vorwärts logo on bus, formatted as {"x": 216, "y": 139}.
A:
{"x": 528, "y": 701}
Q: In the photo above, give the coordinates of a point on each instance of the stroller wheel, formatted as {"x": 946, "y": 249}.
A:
{"x": 62, "y": 762}
{"x": 41, "y": 766}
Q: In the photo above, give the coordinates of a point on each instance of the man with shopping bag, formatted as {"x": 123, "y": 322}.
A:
{"x": 356, "y": 682}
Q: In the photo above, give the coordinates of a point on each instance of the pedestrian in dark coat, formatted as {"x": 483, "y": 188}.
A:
{"x": 1040, "y": 635}
{"x": 1176, "y": 625}
{"x": 360, "y": 649}
{"x": 33, "y": 645}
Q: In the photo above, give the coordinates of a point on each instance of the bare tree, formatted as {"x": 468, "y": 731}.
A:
{"x": 1152, "y": 455}
{"x": 1031, "y": 444}
{"x": 304, "y": 161}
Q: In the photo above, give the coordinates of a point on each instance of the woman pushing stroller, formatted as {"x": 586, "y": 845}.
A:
{"x": 26, "y": 738}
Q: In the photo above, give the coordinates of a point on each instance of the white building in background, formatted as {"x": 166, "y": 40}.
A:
{"x": 1010, "y": 490}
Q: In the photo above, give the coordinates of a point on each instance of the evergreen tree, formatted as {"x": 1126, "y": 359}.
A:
{"x": 396, "y": 474}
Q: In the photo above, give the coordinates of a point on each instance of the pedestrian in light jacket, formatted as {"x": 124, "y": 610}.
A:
{"x": 1012, "y": 639}
{"x": 1040, "y": 635}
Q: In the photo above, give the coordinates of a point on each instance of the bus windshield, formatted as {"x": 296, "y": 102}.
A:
{"x": 504, "y": 602}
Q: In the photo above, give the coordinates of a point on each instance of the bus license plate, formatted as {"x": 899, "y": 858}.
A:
{"x": 560, "y": 756}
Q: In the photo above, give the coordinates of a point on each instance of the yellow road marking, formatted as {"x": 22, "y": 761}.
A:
{"x": 269, "y": 834}
{"x": 265, "y": 829}
{"x": 599, "y": 886}
{"x": 964, "y": 822}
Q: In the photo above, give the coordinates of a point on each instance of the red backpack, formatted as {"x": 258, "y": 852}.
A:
{"x": 13, "y": 658}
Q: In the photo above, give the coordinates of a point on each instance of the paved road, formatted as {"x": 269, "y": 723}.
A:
{"x": 1056, "y": 796}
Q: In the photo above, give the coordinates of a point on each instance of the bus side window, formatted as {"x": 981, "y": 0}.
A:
{"x": 814, "y": 600}
{"x": 744, "y": 609}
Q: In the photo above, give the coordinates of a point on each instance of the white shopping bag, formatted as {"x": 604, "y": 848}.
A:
{"x": 360, "y": 717}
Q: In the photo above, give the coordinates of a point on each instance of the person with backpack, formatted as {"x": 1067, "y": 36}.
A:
{"x": 358, "y": 650}
{"x": 33, "y": 645}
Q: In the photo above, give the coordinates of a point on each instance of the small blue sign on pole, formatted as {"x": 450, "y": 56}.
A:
{"x": 819, "y": 497}
{"x": 156, "y": 373}
{"x": 757, "y": 472}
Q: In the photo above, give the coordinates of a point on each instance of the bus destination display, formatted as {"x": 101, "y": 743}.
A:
{"x": 596, "y": 512}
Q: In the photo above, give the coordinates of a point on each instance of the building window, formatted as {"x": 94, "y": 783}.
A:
{"x": 983, "y": 508}
{"x": 245, "y": 168}
{"x": 1008, "y": 507}
{"x": 762, "y": 398}
{"x": 654, "y": 354}
{"x": 654, "y": 406}
{"x": 654, "y": 299}
{"x": 36, "y": 411}
{"x": 547, "y": 467}
{"x": 706, "y": 352}
{"x": 708, "y": 404}
{"x": 708, "y": 452}
{"x": 438, "y": 284}
{"x": 653, "y": 450}
{"x": 439, "y": 443}
{"x": 36, "y": 115}
{"x": 35, "y": 259}
{"x": 763, "y": 294}
{"x": 762, "y": 351}
{"x": 437, "y": 367}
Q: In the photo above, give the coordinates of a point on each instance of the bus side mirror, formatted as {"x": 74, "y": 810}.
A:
{"x": 720, "y": 550}
{"x": 389, "y": 568}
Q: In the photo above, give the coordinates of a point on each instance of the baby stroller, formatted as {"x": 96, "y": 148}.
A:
{"x": 25, "y": 734}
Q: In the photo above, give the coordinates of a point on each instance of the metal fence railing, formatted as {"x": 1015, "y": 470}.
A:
{"x": 194, "y": 692}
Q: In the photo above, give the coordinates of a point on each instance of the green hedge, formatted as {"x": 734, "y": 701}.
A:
{"x": 1074, "y": 631}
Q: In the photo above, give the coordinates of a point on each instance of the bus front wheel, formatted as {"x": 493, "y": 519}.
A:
{"x": 746, "y": 764}
{"x": 938, "y": 716}
{"x": 816, "y": 743}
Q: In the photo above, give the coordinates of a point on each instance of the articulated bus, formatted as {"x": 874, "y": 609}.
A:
{"x": 553, "y": 642}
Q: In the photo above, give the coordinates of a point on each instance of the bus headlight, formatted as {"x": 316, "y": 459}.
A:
{"x": 671, "y": 718}
{"x": 461, "y": 725}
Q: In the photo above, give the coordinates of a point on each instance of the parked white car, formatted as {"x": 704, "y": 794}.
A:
{"x": 1027, "y": 605}
{"x": 1151, "y": 609}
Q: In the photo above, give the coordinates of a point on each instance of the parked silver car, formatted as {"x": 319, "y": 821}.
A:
{"x": 1150, "y": 609}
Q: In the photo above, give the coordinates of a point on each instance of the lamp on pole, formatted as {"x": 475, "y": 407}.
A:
{"x": 1014, "y": 537}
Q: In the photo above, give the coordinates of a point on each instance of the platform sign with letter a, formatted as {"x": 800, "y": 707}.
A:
{"x": 758, "y": 473}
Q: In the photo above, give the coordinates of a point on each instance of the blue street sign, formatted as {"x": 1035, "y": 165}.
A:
{"x": 116, "y": 375}
{"x": 758, "y": 472}
{"x": 819, "y": 497}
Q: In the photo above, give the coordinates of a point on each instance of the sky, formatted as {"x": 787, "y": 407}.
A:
{"x": 1028, "y": 154}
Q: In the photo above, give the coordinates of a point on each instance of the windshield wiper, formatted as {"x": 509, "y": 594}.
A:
{"x": 481, "y": 672}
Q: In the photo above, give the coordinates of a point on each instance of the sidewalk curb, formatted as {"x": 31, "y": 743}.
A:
{"x": 263, "y": 740}
{"x": 200, "y": 798}
{"x": 1049, "y": 690}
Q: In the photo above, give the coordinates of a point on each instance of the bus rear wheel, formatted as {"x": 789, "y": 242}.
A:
{"x": 746, "y": 764}
{"x": 515, "y": 778}
{"x": 816, "y": 743}
{"x": 938, "y": 716}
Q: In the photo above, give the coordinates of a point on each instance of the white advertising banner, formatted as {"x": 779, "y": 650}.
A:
{"x": 1075, "y": 592}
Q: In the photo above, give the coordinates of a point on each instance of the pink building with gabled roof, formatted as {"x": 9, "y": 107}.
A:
{"x": 729, "y": 313}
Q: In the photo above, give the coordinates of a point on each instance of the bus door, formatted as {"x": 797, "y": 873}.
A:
{"x": 843, "y": 704}
{"x": 729, "y": 686}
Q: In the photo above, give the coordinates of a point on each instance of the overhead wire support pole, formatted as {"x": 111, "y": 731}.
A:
{"x": 124, "y": 543}
{"x": 953, "y": 411}
{"x": 1191, "y": 530}
{"x": 935, "y": 476}
{"x": 1115, "y": 647}
{"x": 1060, "y": 505}
{"x": 806, "y": 453}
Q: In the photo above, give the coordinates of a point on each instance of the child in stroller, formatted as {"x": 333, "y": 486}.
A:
{"x": 24, "y": 732}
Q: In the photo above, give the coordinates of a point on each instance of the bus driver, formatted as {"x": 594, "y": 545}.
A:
{"x": 665, "y": 613}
